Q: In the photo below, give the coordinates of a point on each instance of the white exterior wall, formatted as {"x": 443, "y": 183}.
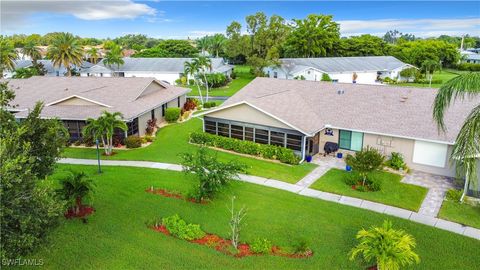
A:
{"x": 168, "y": 77}
{"x": 95, "y": 75}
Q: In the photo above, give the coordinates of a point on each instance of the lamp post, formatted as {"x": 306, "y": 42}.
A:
{"x": 98, "y": 156}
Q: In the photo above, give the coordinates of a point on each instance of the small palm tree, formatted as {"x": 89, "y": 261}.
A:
{"x": 388, "y": 247}
{"x": 75, "y": 187}
{"x": 203, "y": 44}
{"x": 466, "y": 150}
{"x": 204, "y": 65}
{"x": 8, "y": 55}
{"x": 30, "y": 49}
{"x": 429, "y": 67}
{"x": 104, "y": 127}
{"x": 191, "y": 70}
{"x": 65, "y": 50}
{"x": 114, "y": 57}
{"x": 93, "y": 55}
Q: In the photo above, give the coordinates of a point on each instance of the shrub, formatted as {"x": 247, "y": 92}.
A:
{"x": 209, "y": 104}
{"x": 216, "y": 80}
{"x": 151, "y": 125}
{"x": 191, "y": 82}
{"x": 189, "y": 105}
{"x": 117, "y": 141}
{"x": 468, "y": 67}
{"x": 326, "y": 77}
{"x": 427, "y": 81}
{"x": 351, "y": 179}
{"x": 396, "y": 161}
{"x": 361, "y": 188}
{"x": 172, "y": 114}
{"x": 263, "y": 246}
{"x": 133, "y": 141}
{"x": 78, "y": 142}
{"x": 181, "y": 229}
{"x": 281, "y": 154}
{"x": 88, "y": 141}
{"x": 454, "y": 195}
{"x": 365, "y": 161}
{"x": 410, "y": 73}
{"x": 301, "y": 246}
{"x": 374, "y": 183}
{"x": 149, "y": 138}
{"x": 233, "y": 75}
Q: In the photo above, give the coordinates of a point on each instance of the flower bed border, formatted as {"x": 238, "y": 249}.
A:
{"x": 169, "y": 194}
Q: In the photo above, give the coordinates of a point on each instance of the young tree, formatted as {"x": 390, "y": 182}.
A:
{"x": 389, "y": 248}
{"x": 103, "y": 128}
{"x": 65, "y": 50}
{"x": 75, "y": 187}
{"x": 365, "y": 161}
{"x": 114, "y": 57}
{"x": 204, "y": 65}
{"x": 212, "y": 174}
{"x": 429, "y": 67}
{"x": 466, "y": 150}
{"x": 236, "y": 220}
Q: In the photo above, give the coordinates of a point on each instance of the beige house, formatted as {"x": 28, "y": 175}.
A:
{"x": 305, "y": 115}
{"x": 75, "y": 99}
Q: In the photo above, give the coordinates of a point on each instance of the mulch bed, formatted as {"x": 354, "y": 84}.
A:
{"x": 225, "y": 246}
{"x": 85, "y": 210}
{"x": 169, "y": 194}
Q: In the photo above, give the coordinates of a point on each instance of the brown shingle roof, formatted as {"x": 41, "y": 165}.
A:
{"x": 119, "y": 94}
{"x": 397, "y": 111}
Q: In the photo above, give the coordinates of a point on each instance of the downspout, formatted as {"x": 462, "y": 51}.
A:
{"x": 304, "y": 144}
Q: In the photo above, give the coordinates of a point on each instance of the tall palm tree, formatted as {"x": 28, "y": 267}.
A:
{"x": 204, "y": 65}
{"x": 466, "y": 151}
{"x": 75, "y": 187}
{"x": 30, "y": 49}
{"x": 65, "y": 50}
{"x": 388, "y": 247}
{"x": 217, "y": 44}
{"x": 191, "y": 70}
{"x": 203, "y": 44}
{"x": 104, "y": 127}
{"x": 93, "y": 55}
{"x": 114, "y": 57}
{"x": 429, "y": 67}
{"x": 8, "y": 55}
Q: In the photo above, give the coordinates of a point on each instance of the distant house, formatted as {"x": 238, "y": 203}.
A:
{"x": 51, "y": 70}
{"x": 368, "y": 69}
{"x": 304, "y": 116}
{"x": 470, "y": 56}
{"x": 74, "y": 99}
{"x": 163, "y": 69}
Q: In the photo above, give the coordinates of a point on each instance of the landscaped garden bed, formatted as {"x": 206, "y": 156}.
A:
{"x": 171, "y": 194}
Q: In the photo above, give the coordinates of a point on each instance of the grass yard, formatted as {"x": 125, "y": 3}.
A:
{"x": 460, "y": 213}
{"x": 172, "y": 140}
{"x": 116, "y": 236}
{"x": 392, "y": 192}
{"x": 444, "y": 75}
{"x": 243, "y": 78}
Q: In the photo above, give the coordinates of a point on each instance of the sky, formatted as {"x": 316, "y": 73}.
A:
{"x": 193, "y": 19}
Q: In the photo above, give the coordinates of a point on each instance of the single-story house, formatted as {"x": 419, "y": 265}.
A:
{"x": 163, "y": 69}
{"x": 305, "y": 115}
{"x": 75, "y": 99}
{"x": 470, "y": 57}
{"x": 51, "y": 70}
{"x": 368, "y": 69}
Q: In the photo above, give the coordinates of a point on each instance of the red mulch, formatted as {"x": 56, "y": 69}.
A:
{"x": 225, "y": 246}
{"x": 85, "y": 210}
{"x": 372, "y": 267}
{"x": 168, "y": 194}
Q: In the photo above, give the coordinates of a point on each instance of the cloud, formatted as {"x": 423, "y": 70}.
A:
{"x": 15, "y": 13}
{"x": 418, "y": 27}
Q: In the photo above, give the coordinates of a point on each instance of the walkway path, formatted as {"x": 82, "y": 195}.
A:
{"x": 324, "y": 164}
{"x": 372, "y": 206}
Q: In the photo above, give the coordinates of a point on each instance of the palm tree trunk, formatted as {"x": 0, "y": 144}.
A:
{"x": 465, "y": 187}
{"x": 199, "y": 91}
{"x": 78, "y": 202}
{"x": 105, "y": 147}
{"x": 206, "y": 84}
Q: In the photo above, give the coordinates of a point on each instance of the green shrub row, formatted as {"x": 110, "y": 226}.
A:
{"x": 209, "y": 104}
{"x": 427, "y": 81}
{"x": 133, "y": 141}
{"x": 468, "y": 67}
{"x": 181, "y": 229}
{"x": 172, "y": 114}
{"x": 281, "y": 154}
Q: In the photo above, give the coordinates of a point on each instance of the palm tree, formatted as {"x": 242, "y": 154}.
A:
{"x": 8, "y": 55}
{"x": 75, "y": 187}
{"x": 191, "y": 70}
{"x": 30, "y": 49}
{"x": 429, "y": 67}
{"x": 103, "y": 128}
{"x": 204, "y": 65}
{"x": 65, "y": 50}
{"x": 466, "y": 150}
{"x": 388, "y": 247}
{"x": 93, "y": 55}
{"x": 217, "y": 43}
{"x": 203, "y": 44}
{"x": 114, "y": 57}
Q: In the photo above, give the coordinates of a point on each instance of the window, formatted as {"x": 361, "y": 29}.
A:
{"x": 152, "y": 114}
{"x": 249, "y": 134}
{"x": 236, "y": 132}
{"x": 164, "y": 106}
{"x": 223, "y": 129}
{"x": 294, "y": 142}
{"x": 132, "y": 127}
{"x": 211, "y": 127}
{"x": 275, "y": 74}
{"x": 178, "y": 102}
{"x": 277, "y": 138}
{"x": 350, "y": 140}
{"x": 428, "y": 153}
{"x": 261, "y": 136}
{"x": 335, "y": 80}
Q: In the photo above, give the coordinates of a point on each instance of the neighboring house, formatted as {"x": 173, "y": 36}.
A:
{"x": 470, "y": 57}
{"x": 74, "y": 99}
{"x": 51, "y": 70}
{"x": 368, "y": 69}
{"x": 304, "y": 115}
{"x": 163, "y": 69}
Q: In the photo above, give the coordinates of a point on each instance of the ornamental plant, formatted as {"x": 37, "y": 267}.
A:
{"x": 261, "y": 245}
{"x": 365, "y": 161}
{"x": 172, "y": 114}
{"x": 181, "y": 229}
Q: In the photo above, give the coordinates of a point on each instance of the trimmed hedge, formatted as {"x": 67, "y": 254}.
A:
{"x": 172, "y": 114}
{"x": 209, "y": 104}
{"x": 281, "y": 154}
{"x": 468, "y": 67}
{"x": 133, "y": 141}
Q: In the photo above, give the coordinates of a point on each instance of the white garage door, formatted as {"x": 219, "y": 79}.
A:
{"x": 428, "y": 153}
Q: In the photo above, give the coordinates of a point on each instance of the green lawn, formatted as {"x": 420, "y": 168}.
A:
{"x": 461, "y": 213}
{"x": 116, "y": 236}
{"x": 243, "y": 78}
{"x": 392, "y": 192}
{"x": 444, "y": 75}
{"x": 172, "y": 140}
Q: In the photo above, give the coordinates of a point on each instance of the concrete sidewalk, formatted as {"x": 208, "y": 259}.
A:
{"x": 305, "y": 191}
